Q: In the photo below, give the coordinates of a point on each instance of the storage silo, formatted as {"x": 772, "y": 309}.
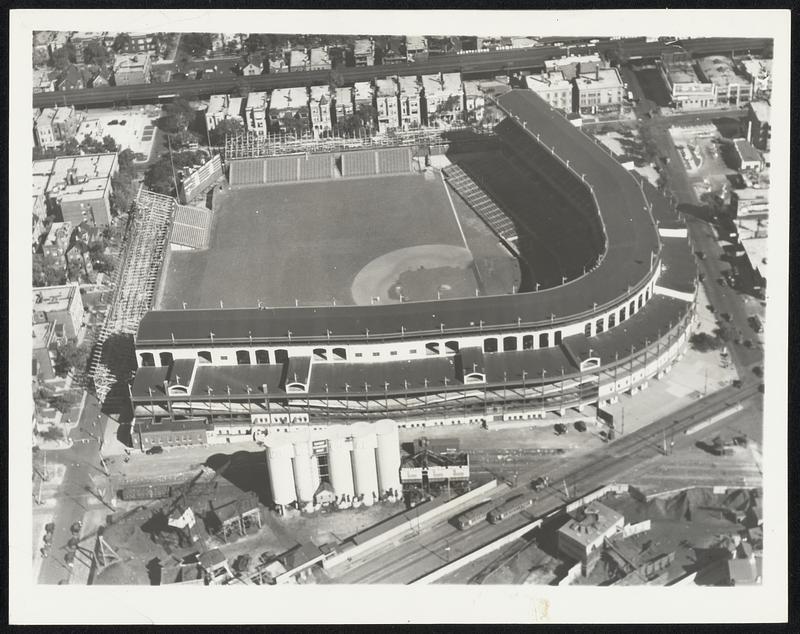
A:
{"x": 279, "y": 467}
{"x": 339, "y": 466}
{"x": 364, "y": 468}
{"x": 388, "y": 455}
{"x": 303, "y": 477}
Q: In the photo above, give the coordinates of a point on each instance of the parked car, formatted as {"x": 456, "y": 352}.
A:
{"x": 154, "y": 450}
{"x": 580, "y": 425}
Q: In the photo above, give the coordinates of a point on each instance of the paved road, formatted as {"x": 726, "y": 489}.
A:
{"x": 74, "y": 498}
{"x": 492, "y": 61}
{"x": 419, "y": 554}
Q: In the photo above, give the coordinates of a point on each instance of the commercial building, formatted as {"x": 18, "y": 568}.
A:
{"x": 444, "y": 97}
{"x": 364, "y": 52}
{"x": 287, "y": 103}
{"x": 553, "y": 87}
{"x": 474, "y": 102}
{"x": 732, "y": 87}
{"x": 164, "y": 432}
{"x": 687, "y": 90}
{"x": 360, "y": 462}
{"x": 256, "y": 112}
{"x": 606, "y": 333}
{"x": 132, "y": 69}
{"x": 54, "y": 126}
{"x": 77, "y": 188}
{"x": 582, "y": 537}
{"x": 387, "y": 104}
{"x": 599, "y": 92}
{"x": 747, "y": 156}
{"x": 758, "y": 124}
{"x": 319, "y": 105}
{"x": 410, "y": 102}
{"x": 318, "y": 59}
{"x": 573, "y": 65}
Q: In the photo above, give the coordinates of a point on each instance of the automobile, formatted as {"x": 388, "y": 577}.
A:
{"x": 580, "y": 426}
{"x": 154, "y": 450}
{"x": 560, "y": 428}
{"x": 113, "y": 122}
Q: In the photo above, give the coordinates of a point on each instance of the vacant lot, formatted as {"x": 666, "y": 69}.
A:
{"x": 307, "y": 242}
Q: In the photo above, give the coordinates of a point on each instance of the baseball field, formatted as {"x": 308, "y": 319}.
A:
{"x": 306, "y": 244}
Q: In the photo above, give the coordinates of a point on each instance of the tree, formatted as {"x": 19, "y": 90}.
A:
{"x": 52, "y": 433}
{"x": 196, "y": 44}
{"x": 159, "y": 176}
{"x": 64, "y": 56}
{"x": 125, "y": 160}
{"x": 109, "y": 144}
{"x": 229, "y": 126}
{"x": 90, "y": 145}
{"x": 103, "y": 263}
{"x": 46, "y": 274}
{"x": 262, "y": 41}
{"x": 64, "y": 401}
{"x": 179, "y": 115}
{"x": 703, "y": 342}
{"x": 71, "y": 355}
{"x": 96, "y": 53}
{"x": 123, "y": 193}
{"x": 121, "y": 42}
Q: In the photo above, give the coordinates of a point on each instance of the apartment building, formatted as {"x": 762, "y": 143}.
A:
{"x": 132, "y": 69}
{"x": 343, "y": 103}
{"x": 553, "y": 87}
{"x": 319, "y": 105}
{"x": 364, "y": 52}
{"x": 362, "y": 94}
{"x": 54, "y": 126}
{"x": 287, "y": 103}
{"x": 387, "y": 104}
{"x": 298, "y": 60}
{"x": 278, "y": 65}
{"x": 256, "y": 113}
{"x": 318, "y": 59}
{"x": 410, "y": 102}
{"x": 599, "y": 92}
{"x": 444, "y": 97}
{"x": 221, "y": 108}
{"x": 474, "y": 102}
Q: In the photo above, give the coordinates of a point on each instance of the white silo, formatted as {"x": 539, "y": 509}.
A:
{"x": 339, "y": 466}
{"x": 303, "y": 477}
{"x": 279, "y": 467}
{"x": 388, "y": 454}
{"x": 364, "y": 468}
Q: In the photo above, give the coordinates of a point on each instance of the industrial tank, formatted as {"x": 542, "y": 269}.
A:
{"x": 341, "y": 471}
{"x": 303, "y": 476}
{"x": 364, "y": 468}
{"x": 279, "y": 467}
{"x": 388, "y": 455}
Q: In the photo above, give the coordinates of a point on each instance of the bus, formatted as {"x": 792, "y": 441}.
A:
{"x": 473, "y": 516}
{"x": 509, "y": 508}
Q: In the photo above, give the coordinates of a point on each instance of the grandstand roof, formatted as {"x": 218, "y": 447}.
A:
{"x": 629, "y": 227}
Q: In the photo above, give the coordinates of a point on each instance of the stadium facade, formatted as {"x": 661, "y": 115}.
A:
{"x": 621, "y": 322}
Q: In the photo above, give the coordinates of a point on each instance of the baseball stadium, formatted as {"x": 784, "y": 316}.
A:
{"x": 510, "y": 275}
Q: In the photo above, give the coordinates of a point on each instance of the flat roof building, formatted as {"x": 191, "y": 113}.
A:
{"x": 687, "y": 90}
{"x": 54, "y": 126}
{"x": 599, "y": 91}
{"x": 759, "y": 72}
{"x": 732, "y": 87}
{"x": 132, "y": 69}
{"x": 62, "y": 305}
{"x": 582, "y": 537}
{"x": 444, "y": 97}
{"x": 362, "y": 93}
{"x": 256, "y": 112}
{"x": 386, "y": 103}
{"x": 319, "y": 59}
{"x": 410, "y": 102}
{"x": 287, "y": 102}
{"x": 364, "y": 52}
{"x": 748, "y": 157}
{"x": 553, "y": 87}
{"x": 416, "y": 48}
{"x": 343, "y": 102}
{"x": 573, "y": 65}
{"x": 758, "y": 124}
{"x": 298, "y": 60}
{"x": 474, "y": 102}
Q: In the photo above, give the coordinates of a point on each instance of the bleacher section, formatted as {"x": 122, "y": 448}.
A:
{"x": 481, "y": 204}
{"x": 317, "y": 166}
{"x": 359, "y": 163}
{"x": 394, "y": 160}
{"x": 246, "y": 172}
{"x": 190, "y": 227}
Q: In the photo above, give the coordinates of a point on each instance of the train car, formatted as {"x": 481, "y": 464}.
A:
{"x": 509, "y": 508}
{"x": 145, "y": 492}
{"x": 473, "y": 516}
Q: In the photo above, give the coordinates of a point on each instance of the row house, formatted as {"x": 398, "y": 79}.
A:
{"x": 386, "y": 104}
{"x": 362, "y": 94}
{"x": 319, "y": 106}
{"x": 474, "y": 102}
{"x": 444, "y": 96}
{"x": 54, "y": 126}
{"x": 343, "y": 103}
{"x": 221, "y": 108}
{"x": 256, "y": 113}
{"x": 410, "y": 102}
{"x": 39, "y": 217}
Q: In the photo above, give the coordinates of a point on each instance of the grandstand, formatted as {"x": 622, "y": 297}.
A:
{"x": 394, "y": 160}
{"x": 482, "y": 205}
{"x": 190, "y": 227}
{"x": 134, "y": 281}
{"x": 359, "y": 163}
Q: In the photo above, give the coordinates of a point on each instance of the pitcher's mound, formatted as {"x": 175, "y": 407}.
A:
{"x": 378, "y": 277}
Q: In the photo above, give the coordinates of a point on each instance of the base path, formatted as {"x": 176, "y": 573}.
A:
{"x": 376, "y": 278}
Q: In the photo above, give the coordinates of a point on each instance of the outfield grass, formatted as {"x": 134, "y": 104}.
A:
{"x": 308, "y": 240}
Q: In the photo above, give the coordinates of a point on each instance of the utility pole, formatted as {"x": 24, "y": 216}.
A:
{"x": 566, "y": 490}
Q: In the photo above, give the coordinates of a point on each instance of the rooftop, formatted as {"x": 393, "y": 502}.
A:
{"x": 134, "y": 62}
{"x": 451, "y": 83}
{"x": 590, "y": 522}
{"x": 344, "y": 94}
{"x": 363, "y": 47}
{"x": 363, "y": 90}
{"x": 285, "y": 98}
{"x": 58, "y": 173}
{"x": 747, "y": 153}
{"x": 415, "y": 43}
{"x": 600, "y": 79}
{"x": 409, "y": 85}
{"x": 720, "y": 71}
{"x": 761, "y": 109}
{"x": 680, "y": 70}
{"x": 297, "y": 58}
{"x": 553, "y": 80}
{"x": 257, "y": 100}
{"x": 217, "y": 104}
{"x": 59, "y": 231}
{"x": 320, "y": 94}
{"x": 234, "y": 107}
{"x": 320, "y": 57}
{"x": 386, "y": 87}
